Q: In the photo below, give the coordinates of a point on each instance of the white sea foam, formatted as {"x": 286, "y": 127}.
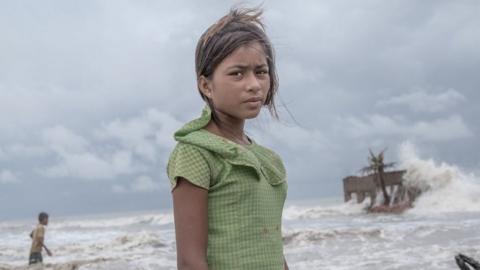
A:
{"x": 446, "y": 188}
{"x": 331, "y": 236}
{"x": 295, "y": 212}
{"x": 299, "y": 237}
{"x": 144, "y": 219}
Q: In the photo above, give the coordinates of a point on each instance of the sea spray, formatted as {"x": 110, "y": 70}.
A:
{"x": 445, "y": 187}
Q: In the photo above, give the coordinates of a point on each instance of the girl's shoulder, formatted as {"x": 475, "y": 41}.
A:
{"x": 185, "y": 154}
{"x": 193, "y": 163}
{"x": 190, "y": 150}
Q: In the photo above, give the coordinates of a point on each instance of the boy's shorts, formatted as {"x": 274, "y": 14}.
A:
{"x": 35, "y": 257}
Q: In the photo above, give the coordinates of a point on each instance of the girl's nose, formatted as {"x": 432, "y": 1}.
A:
{"x": 253, "y": 84}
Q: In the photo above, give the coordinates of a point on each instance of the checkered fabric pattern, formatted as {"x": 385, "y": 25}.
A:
{"x": 246, "y": 192}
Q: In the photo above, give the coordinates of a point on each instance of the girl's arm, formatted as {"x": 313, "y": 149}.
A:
{"x": 190, "y": 206}
{"x": 285, "y": 264}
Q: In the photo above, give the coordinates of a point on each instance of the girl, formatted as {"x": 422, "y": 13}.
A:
{"x": 228, "y": 192}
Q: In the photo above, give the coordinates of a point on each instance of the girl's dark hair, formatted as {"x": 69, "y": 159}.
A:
{"x": 238, "y": 28}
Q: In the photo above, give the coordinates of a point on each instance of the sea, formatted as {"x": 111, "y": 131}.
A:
{"x": 318, "y": 234}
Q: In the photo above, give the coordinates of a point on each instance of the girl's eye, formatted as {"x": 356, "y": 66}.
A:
{"x": 262, "y": 72}
{"x": 236, "y": 74}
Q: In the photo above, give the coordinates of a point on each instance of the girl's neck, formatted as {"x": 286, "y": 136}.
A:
{"x": 229, "y": 128}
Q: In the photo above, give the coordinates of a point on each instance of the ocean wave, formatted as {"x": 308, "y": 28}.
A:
{"x": 315, "y": 236}
{"x": 308, "y": 212}
{"x": 141, "y": 239}
{"x": 446, "y": 187}
{"x": 146, "y": 219}
{"x": 14, "y": 226}
{"x": 116, "y": 244}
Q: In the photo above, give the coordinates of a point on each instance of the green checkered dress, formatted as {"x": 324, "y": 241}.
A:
{"x": 246, "y": 191}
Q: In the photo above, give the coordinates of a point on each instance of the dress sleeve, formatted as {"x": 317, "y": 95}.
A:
{"x": 187, "y": 161}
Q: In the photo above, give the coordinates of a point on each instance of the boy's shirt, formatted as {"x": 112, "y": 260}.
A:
{"x": 37, "y": 240}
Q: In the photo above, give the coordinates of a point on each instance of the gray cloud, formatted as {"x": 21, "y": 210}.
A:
{"x": 8, "y": 177}
{"x": 91, "y": 93}
{"x": 144, "y": 184}
{"x": 140, "y": 184}
{"x": 120, "y": 147}
{"x": 3, "y": 155}
{"x": 422, "y": 101}
{"x": 442, "y": 129}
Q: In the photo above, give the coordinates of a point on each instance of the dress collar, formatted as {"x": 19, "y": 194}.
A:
{"x": 254, "y": 156}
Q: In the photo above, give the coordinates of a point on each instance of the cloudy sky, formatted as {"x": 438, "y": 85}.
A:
{"x": 91, "y": 92}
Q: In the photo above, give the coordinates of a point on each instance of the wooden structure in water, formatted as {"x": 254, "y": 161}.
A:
{"x": 369, "y": 186}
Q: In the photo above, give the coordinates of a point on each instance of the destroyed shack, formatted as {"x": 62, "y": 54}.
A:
{"x": 369, "y": 186}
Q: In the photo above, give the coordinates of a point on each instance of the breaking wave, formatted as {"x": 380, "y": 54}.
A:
{"x": 338, "y": 209}
{"x": 145, "y": 219}
{"x": 445, "y": 187}
{"x": 314, "y": 236}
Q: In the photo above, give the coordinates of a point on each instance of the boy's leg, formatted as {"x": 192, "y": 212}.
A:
{"x": 35, "y": 257}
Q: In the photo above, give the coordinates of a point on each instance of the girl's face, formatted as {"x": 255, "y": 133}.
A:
{"x": 240, "y": 83}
